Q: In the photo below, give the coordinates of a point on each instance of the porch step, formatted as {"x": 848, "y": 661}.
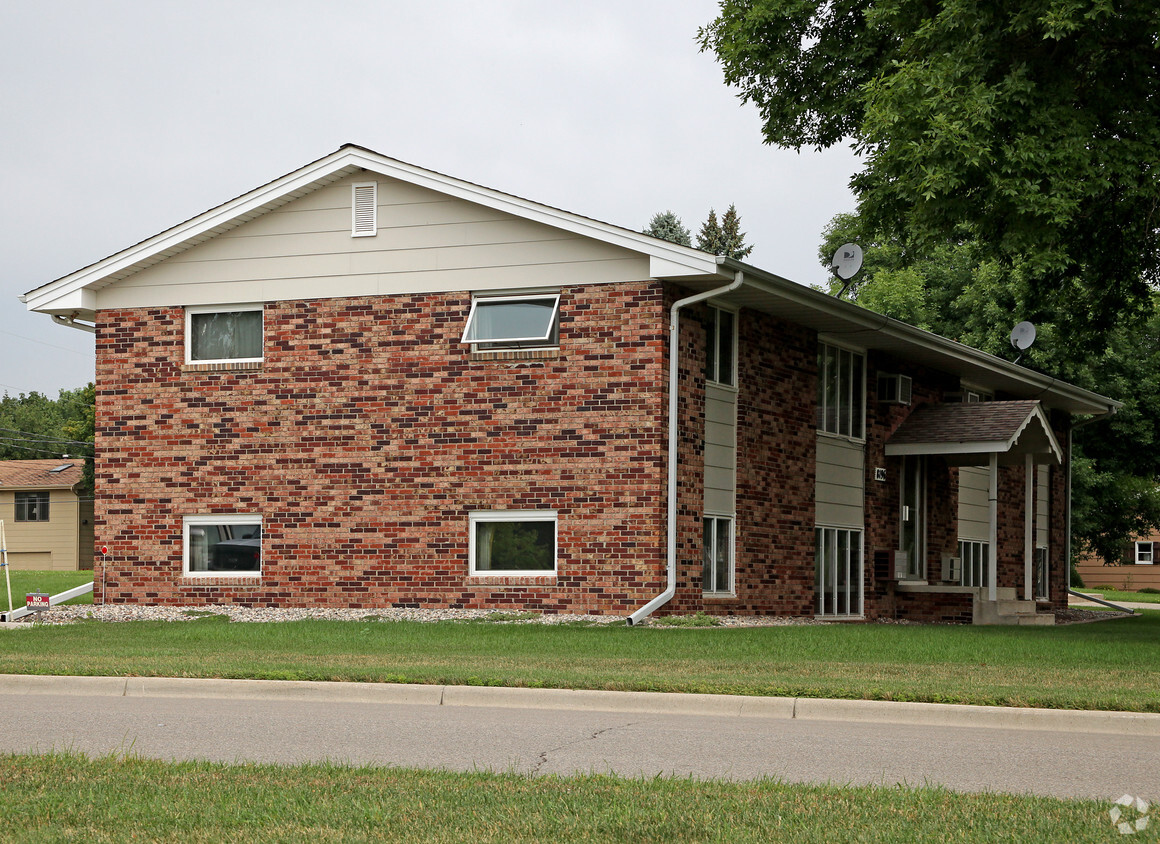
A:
{"x": 1009, "y": 611}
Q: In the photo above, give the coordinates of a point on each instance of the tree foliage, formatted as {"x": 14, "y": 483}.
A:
{"x": 33, "y": 426}
{"x": 725, "y": 237}
{"x": 668, "y": 226}
{"x": 1029, "y": 129}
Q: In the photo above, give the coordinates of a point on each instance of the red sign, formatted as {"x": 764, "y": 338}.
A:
{"x": 37, "y": 600}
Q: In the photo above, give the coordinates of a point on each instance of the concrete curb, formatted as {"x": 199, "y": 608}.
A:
{"x": 657, "y": 703}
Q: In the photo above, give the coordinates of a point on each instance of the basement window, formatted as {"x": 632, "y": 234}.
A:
{"x": 520, "y": 322}
{"x": 222, "y": 545}
{"x": 223, "y": 334}
{"x": 512, "y": 542}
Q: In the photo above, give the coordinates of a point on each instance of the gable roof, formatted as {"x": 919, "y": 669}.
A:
{"x": 968, "y": 433}
{"x": 66, "y": 295}
{"x": 74, "y": 295}
{"x": 40, "y": 474}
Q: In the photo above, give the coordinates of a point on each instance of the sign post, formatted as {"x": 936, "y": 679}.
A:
{"x": 4, "y": 564}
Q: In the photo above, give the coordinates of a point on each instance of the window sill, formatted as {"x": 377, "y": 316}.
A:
{"x": 719, "y": 596}
{"x": 546, "y": 579}
{"x": 223, "y": 366}
{"x": 515, "y": 354}
{"x": 843, "y": 437}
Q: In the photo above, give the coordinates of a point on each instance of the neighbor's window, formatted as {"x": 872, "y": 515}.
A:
{"x": 218, "y": 545}
{"x": 513, "y": 321}
{"x": 721, "y": 347}
{"x": 515, "y": 542}
{"x": 1143, "y": 553}
{"x": 841, "y": 391}
{"x": 32, "y": 506}
{"x": 717, "y": 555}
{"x": 220, "y": 334}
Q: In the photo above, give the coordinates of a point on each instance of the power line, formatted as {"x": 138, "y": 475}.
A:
{"x": 44, "y": 437}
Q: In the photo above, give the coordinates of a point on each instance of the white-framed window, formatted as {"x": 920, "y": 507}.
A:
{"x": 223, "y": 334}
{"x": 838, "y": 571}
{"x": 222, "y": 545}
{"x": 512, "y": 542}
{"x": 513, "y": 321}
{"x": 1144, "y": 554}
{"x": 364, "y": 209}
{"x": 717, "y": 556}
{"x": 976, "y": 557}
{"x": 32, "y": 506}
{"x": 721, "y": 347}
{"x": 841, "y": 391}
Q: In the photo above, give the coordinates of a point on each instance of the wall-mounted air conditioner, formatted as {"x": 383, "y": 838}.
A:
{"x": 952, "y": 569}
{"x": 901, "y": 565}
{"x": 894, "y": 389}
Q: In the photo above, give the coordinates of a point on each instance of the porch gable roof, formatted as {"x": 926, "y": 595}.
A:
{"x": 968, "y": 433}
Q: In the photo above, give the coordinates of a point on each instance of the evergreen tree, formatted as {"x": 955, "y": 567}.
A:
{"x": 710, "y": 238}
{"x": 668, "y": 226}
{"x": 732, "y": 238}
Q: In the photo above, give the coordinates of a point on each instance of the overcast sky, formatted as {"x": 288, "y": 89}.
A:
{"x": 122, "y": 118}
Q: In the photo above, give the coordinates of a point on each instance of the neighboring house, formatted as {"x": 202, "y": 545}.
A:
{"x": 48, "y": 524}
{"x": 366, "y": 384}
{"x": 1138, "y": 566}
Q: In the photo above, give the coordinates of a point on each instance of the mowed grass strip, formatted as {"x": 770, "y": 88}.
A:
{"x": 52, "y": 582}
{"x": 66, "y": 797}
{"x": 1106, "y": 665}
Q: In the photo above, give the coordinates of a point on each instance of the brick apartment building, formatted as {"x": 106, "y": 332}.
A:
{"x": 366, "y": 384}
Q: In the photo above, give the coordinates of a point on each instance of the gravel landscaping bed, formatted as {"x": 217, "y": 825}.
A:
{"x": 139, "y": 612}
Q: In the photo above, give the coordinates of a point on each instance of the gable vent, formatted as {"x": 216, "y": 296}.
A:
{"x": 365, "y": 206}
{"x": 894, "y": 389}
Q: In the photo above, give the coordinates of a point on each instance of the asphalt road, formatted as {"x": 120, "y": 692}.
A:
{"x": 700, "y": 741}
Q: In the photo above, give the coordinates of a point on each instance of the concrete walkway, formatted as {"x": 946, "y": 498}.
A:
{"x": 1080, "y": 603}
{"x": 737, "y": 706}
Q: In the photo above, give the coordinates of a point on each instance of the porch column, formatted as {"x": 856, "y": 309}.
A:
{"x": 993, "y": 538}
{"x": 1028, "y": 525}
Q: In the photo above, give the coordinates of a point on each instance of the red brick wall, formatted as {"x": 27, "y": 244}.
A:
{"x": 367, "y": 435}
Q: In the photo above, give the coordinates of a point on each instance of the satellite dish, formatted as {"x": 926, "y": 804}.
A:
{"x": 847, "y": 261}
{"x": 1022, "y": 336}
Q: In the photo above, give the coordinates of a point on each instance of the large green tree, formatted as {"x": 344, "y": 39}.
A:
{"x": 1030, "y": 128}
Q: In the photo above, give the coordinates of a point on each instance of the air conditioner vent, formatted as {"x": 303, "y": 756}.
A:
{"x": 894, "y": 389}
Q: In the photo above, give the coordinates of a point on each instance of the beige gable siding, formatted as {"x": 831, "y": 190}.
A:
{"x": 720, "y": 450}
{"x": 426, "y": 242}
{"x": 974, "y": 510}
{"x": 839, "y": 494}
{"x": 43, "y": 545}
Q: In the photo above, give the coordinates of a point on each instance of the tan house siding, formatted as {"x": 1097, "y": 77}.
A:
{"x": 47, "y": 545}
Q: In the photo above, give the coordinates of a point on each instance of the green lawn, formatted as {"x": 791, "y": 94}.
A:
{"x": 52, "y": 582}
{"x": 1106, "y": 665}
{"x": 62, "y": 797}
{"x": 1110, "y": 594}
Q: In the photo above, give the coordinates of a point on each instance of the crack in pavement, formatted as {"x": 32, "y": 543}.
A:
{"x": 542, "y": 759}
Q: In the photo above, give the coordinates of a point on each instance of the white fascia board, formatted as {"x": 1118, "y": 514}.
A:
{"x": 681, "y": 260}
{"x": 905, "y": 449}
{"x": 79, "y": 300}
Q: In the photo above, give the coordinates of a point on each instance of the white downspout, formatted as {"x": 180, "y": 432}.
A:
{"x": 1028, "y": 525}
{"x": 674, "y": 370}
{"x": 993, "y": 533}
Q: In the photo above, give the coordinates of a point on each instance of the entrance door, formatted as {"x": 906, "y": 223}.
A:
{"x": 912, "y": 516}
